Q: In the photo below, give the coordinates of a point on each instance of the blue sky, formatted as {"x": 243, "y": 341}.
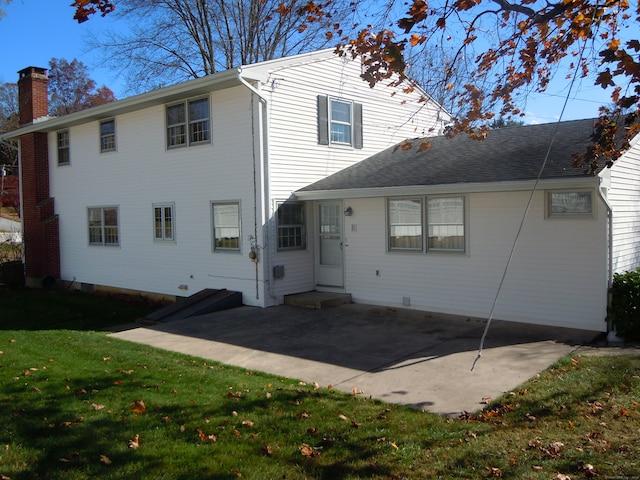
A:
{"x": 52, "y": 32}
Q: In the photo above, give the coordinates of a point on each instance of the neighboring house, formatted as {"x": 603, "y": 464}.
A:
{"x": 434, "y": 229}
{"x": 190, "y": 187}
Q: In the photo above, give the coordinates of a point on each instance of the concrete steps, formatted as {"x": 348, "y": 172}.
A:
{"x": 205, "y": 301}
{"x": 317, "y": 300}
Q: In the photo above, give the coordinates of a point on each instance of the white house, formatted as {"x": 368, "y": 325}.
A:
{"x": 190, "y": 187}
{"x": 434, "y": 229}
{"x": 288, "y": 176}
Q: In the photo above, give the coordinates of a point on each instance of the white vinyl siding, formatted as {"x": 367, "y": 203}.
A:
{"x": 557, "y": 275}
{"x": 624, "y": 197}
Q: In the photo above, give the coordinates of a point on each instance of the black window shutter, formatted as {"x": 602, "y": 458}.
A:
{"x": 357, "y": 125}
{"x": 323, "y": 120}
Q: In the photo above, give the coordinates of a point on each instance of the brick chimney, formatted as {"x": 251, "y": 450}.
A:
{"x": 41, "y": 239}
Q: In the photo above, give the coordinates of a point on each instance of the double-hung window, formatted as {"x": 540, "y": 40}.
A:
{"x": 163, "y": 222}
{"x": 339, "y": 122}
{"x": 107, "y": 136}
{"x": 226, "y": 226}
{"x": 405, "y": 224}
{"x": 103, "y": 226}
{"x": 430, "y": 223}
{"x": 64, "y": 156}
{"x": 291, "y": 226}
{"x": 188, "y": 123}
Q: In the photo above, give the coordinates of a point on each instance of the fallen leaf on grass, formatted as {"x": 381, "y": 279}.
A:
{"x": 138, "y": 407}
{"x": 308, "y": 451}
{"x": 106, "y": 460}
{"x": 248, "y": 423}
{"x": 623, "y": 412}
{"x": 207, "y": 437}
{"x": 342, "y": 417}
{"x": 562, "y": 476}
{"x": 97, "y": 407}
{"x": 267, "y": 450}
{"x": 494, "y": 471}
{"x": 135, "y": 443}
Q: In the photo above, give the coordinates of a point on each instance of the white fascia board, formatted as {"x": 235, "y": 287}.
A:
{"x": 199, "y": 86}
{"x": 455, "y": 188}
{"x": 261, "y": 71}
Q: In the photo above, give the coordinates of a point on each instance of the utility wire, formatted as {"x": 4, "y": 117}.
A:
{"x": 526, "y": 211}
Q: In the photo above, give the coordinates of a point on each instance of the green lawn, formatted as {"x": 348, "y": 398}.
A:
{"x": 77, "y": 404}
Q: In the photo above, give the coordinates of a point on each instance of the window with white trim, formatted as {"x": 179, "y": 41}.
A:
{"x": 291, "y": 226}
{"x": 570, "y": 203}
{"x": 226, "y": 226}
{"x": 64, "y": 155}
{"x": 163, "y": 222}
{"x": 443, "y": 216}
{"x": 188, "y": 123}
{"x": 445, "y": 223}
{"x": 405, "y": 224}
{"x": 107, "y": 136}
{"x": 103, "y": 226}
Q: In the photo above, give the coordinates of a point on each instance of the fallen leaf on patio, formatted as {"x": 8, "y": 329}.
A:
{"x": 135, "y": 443}
{"x": 106, "y": 460}
{"x": 97, "y": 407}
{"x": 138, "y": 407}
{"x": 207, "y": 438}
{"x": 308, "y": 451}
{"x": 267, "y": 450}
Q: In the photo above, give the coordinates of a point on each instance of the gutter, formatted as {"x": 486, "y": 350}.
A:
{"x": 264, "y": 164}
{"x": 581, "y": 181}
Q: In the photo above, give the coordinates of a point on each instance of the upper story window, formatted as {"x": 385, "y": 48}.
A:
{"x": 103, "y": 226}
{"x": 444, "y": 219}
{"x": 188, "y": 123}
{"x": 64, "y": 156}
{"x": 339, "y": 122}
{"x": 292, "y": 233}
{"x": 226, "y": 226}
{"x": 163, "y": 222}
{"x": 570, "y": 204}
{"x": 107, "y": 136}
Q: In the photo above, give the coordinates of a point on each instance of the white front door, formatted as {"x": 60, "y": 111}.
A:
{"x": 329, "y": 257}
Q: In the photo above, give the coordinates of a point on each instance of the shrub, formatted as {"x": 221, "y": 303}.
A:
{"x": 624, "y": 311}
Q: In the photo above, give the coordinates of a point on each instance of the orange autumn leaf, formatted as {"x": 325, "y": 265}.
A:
{"x": 207, "y": 437}
{"x": 138, "y": 407}
{"x": 308, "y": 451}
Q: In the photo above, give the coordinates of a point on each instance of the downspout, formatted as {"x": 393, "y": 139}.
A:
{"x": 264, "y": 163}
{"x": 602, "y": 193}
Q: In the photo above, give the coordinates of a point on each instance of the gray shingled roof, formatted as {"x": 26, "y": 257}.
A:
{"x": 507, "y": 154}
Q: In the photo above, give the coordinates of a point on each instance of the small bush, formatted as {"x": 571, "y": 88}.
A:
{"x": 624, "y": 311}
